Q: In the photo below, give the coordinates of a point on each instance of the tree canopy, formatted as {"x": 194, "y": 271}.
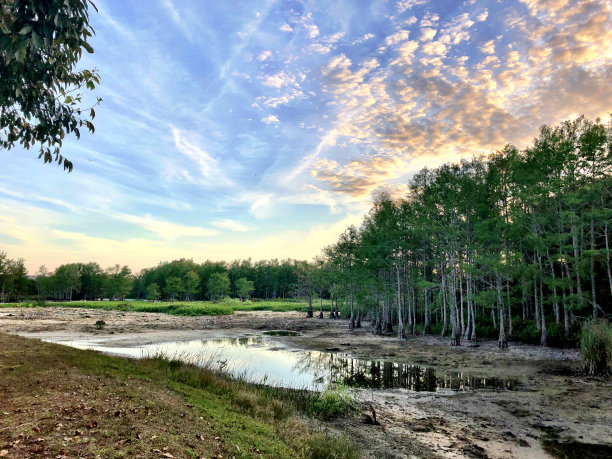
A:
{"x": 41, "y": 42}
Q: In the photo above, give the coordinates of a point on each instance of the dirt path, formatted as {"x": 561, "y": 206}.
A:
{"x": 552, "y": 410}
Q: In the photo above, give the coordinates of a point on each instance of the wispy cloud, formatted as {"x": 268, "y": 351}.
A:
{"x": 291, "y": 114}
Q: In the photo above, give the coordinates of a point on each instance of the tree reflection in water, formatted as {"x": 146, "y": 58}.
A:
{"x": 342, "y": 369}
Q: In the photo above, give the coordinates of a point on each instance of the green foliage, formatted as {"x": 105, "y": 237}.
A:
{"x": 41, "y": 42}
{"x": 596, "y": 347}
{"x": 244, "y": 287}
{"x": 218, "y": 285}
{"x": 331, "y": 403}
{"x": 526, "y": 331}
{"x": 13, "y": 278}
{"x": 152, "y": 292}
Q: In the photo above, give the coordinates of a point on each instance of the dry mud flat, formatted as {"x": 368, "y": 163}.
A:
{"x": 553, "y": 411}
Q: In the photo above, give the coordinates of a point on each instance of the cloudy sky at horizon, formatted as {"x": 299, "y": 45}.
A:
{"x": 264, "y": 130}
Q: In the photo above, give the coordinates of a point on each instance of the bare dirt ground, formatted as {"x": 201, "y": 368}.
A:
{"x": 554, "y": 410}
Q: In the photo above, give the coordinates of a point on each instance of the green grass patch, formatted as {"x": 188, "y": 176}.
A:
{"x": 179, "y": 308}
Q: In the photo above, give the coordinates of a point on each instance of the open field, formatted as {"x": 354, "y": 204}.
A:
{"x": 554, "y": 411}
{"x": 179, "y": 308}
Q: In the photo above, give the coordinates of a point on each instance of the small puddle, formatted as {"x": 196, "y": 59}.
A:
{"x": 281, "y": 333}
{"x": 261, "y": 359}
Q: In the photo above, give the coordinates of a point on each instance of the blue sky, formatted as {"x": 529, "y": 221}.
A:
{"x": 263, "y": 128}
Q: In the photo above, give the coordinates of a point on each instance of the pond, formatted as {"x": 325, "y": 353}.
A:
{"x": 261, "y": 359}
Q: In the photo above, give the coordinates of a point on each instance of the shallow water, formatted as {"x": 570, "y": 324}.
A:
{"x": 262, "y": 359}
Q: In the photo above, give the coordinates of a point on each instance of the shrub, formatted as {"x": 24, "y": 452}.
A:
{"x": 331, "y": 403}
{"x": 526, "y": 331}
{"x": 596, "y": 347}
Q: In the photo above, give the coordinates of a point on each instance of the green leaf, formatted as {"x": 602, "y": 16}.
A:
{"x": 25, "y": 30}
{"x": 88, "y": 47}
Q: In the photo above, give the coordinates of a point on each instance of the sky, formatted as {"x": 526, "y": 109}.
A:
{"x": 262, "y": 129}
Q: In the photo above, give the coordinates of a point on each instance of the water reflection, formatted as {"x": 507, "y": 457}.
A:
{"x": 386, "y": 375}
{"x": 262, "y": 359}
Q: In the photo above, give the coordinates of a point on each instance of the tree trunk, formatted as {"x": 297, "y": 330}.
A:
{"x": 426, "y": 325}
{"x": 461, "y": 303}
{"x": 310, "y": 311}
{"x": 565, "y": 315}
{"x": 543, "y": 339}
{"x": 576, "y": 256}
{"x": 537, "y": 306}
{"x": 555, "y": 296}
{"x": 352, "y": 319}
{"x": 500, "y": 308}
{"x": 509, "y": 308}
{"x": 444, "y": 323}
{"x": 593, "y": 290}
{"x": 388, "y": 323}
{"x": 400, "y": 319}
{"x": 453, "y": 305}
{"x": 608, "y": 257}
{"x": 321, "y": 310}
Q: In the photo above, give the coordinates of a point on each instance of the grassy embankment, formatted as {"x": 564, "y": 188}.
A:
{"x": 61, "y": 401}
{"x": 183, "y": 308}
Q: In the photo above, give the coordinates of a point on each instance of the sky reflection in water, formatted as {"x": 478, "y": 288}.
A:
{"x": 261, "y": 359}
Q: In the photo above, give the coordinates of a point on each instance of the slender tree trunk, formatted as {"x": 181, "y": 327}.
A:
{"x": 352, "y": 319}
{"x": 331, "y": 310}
{"x": 453, "y": 305}
{"x": 426, "y": 325}
{"x": 593, "y": 289}
{"x": 500, "y": 308}
{"x": 461, "y": 304}
{"x": 544, "y": 336}
{"x": 608, "y": 257}
{"x": 444, "y": 323}
{"x": 555, "y": 296}
{"x": 473, "y": 336}
{"x": 468, "y": 327}
{"x": 537, "y": 306}
{"x": 388, "y": 322}
{"x": 321, "y": 310}
{"x": 576, "y": 257}
{"x": 310, "y": 311}
{"x": 566, "y": 323}
{"x": 509, "y": 308}
{"x": 414, "y": 308}
{"x": 400, "y": 319}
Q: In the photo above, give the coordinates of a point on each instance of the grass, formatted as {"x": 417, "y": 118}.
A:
{"x": 179, "y": 308}
{"x": 61, "y": 401}
{"x": 332, "y": 403}
{"x": 596, "y": 347}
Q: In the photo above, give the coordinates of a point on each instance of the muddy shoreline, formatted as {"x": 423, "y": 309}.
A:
{"x": 554, "y": 404}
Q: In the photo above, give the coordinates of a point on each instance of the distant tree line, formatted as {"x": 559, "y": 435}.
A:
{"x": 182, "y": 280}
{"x": 187, "y": 280}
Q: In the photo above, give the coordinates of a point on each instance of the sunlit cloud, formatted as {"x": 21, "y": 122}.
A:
{"x": 279, "y": 122}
